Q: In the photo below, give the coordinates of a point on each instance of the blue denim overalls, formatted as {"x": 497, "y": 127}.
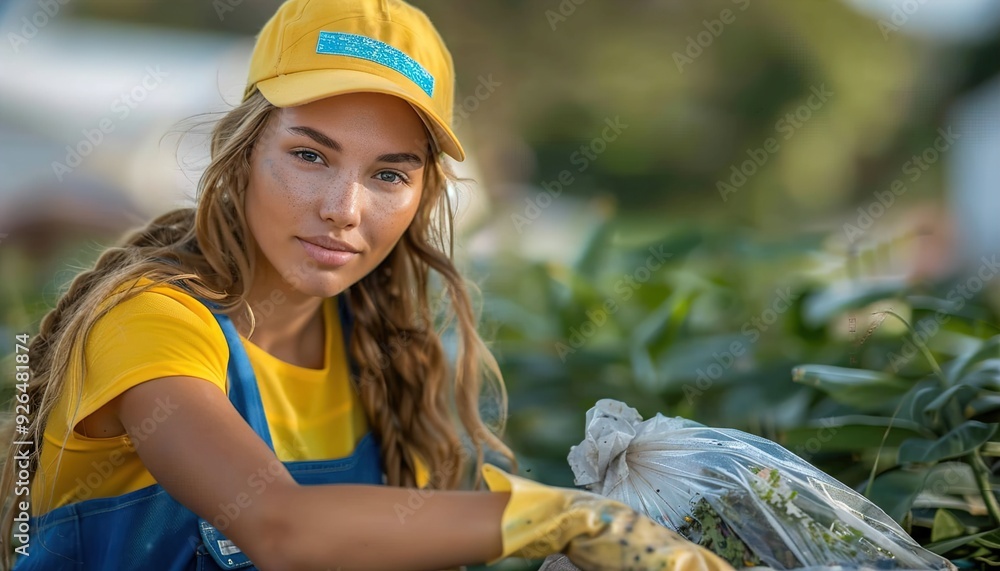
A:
{"x": 148, "y": 529}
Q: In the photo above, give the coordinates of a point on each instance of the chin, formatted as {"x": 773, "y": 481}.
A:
{"x": 316, "y": 284}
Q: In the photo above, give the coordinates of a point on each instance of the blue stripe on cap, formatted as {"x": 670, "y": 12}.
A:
{"x": 354, "y": 45}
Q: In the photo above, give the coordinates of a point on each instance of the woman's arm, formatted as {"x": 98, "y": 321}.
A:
{"x": 206, "y": 456}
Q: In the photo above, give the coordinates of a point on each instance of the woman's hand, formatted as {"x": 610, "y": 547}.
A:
{"x": 596, "y": 533}
{"x": 633, "y": 541}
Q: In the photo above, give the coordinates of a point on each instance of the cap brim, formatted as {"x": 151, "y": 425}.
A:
{"x": 308, "y": 86}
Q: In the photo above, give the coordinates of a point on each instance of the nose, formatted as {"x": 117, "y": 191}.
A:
{"x": 342, "y": 204}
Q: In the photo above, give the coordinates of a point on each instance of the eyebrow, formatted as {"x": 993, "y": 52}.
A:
{"x": 326, "y": 141}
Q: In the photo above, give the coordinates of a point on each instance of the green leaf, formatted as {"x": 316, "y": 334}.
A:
{"x": 663, "y": 323}
{"x": 594, "y": 250}
{"x": 939, "y": 305}
{"x": 895, "y": 490}
{"x": 960, "y": 441}
{"x": 990, "y": 349}
{"x": 984, "y": 408}
{"x": 856, "y": 387}
{"x": 953, "y": 478}
{"x": 934, "y": 407}
{"x": 916, "y": 400}
{"x": 990, "y": 540}
{"x": 948, "y": 545}
{"x": 946, "y": 526}
{"x": 852, "y": 433}
{"x": 991, "y": 449}
{"x": 823, "y": 306}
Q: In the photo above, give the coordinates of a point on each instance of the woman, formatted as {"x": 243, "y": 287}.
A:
{"x": 191, "y": 394}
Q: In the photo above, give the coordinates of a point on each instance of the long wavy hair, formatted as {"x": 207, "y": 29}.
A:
{"x": 420, "y": 403}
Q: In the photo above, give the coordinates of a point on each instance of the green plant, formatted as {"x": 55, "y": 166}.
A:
{"x": 945, "y": 421}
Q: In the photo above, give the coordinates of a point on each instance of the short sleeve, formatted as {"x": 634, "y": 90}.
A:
{"x": 160, "y": 332}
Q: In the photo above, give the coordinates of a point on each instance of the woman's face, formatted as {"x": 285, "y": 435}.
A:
{"x": 333, "y": 186}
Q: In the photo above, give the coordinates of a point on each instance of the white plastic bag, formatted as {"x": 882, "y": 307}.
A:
{"x": 689, "y": 477}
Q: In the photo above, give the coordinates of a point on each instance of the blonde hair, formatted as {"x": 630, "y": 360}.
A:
{"x": 410, "y": 394}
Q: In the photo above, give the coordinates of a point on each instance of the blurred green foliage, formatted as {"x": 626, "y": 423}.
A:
{"x": 712, "y": 336}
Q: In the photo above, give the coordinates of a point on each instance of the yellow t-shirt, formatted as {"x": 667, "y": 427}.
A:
{"x": 312, "y": 413}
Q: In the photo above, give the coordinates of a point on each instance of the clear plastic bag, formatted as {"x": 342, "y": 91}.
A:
{"x": 744, "y": 497}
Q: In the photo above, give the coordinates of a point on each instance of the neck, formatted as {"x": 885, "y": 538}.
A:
{"x": 284, "y": 317}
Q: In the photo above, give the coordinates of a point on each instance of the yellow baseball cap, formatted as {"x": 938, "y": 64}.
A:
{"x": 313, "y": 49}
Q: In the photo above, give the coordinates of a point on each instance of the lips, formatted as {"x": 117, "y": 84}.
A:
{"x": 334, "y": 257}
{"x": 331, "y": 243}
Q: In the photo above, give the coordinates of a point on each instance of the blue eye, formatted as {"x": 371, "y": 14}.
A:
{"x": 401, "y": 179}
{"x": 308, "y": 156}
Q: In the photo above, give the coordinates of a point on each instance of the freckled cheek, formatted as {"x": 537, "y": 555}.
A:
{"x": 281, "y": 197}
{"x": 293, "y": 188}
{"x": 390, "y": 214}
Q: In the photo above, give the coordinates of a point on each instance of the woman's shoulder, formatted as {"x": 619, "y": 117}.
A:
{"x": 157, "y": 304}
{"x": 158, "y": 331}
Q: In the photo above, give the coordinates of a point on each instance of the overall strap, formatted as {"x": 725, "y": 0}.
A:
{"x": 243, "y": 390}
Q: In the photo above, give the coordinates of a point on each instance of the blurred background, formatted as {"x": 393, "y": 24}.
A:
{"x": 673, "y": 204}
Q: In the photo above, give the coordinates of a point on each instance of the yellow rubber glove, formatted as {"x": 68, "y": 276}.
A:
{"x": 596, "y": 533}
